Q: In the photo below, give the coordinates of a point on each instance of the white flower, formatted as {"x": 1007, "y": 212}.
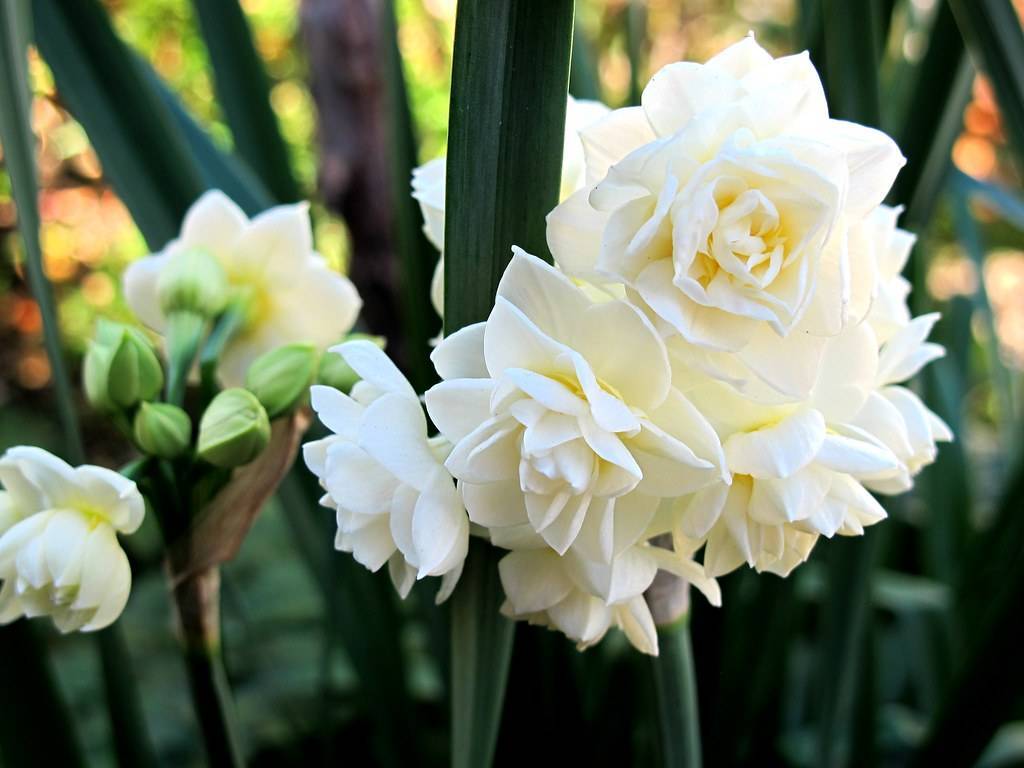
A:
{"x": 395, "y": 501}
{"x": 563, "y": 417}
{"x": 583, "y": 598}
{"x": 723, "y": 203}
{"x": 797, "y": 469}
{"x": 894, "y": 414}
{"x": 59, "y": 553}
{"x": 290, "y": 293}
{"x": 428, "y": 183}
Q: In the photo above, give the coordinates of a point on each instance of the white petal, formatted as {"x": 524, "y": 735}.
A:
{"x": 533, "y": 580}
{"x": 374, "y": 366}
{"x": 459, "y": 406}
{"x": 461, "y": 354}
{"x": 778, "y": 450}
{"x": 213, "y": 222}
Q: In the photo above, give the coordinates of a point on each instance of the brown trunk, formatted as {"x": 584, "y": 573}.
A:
{"x": 347, "y": 62}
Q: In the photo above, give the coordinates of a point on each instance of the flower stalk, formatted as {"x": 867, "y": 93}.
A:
{"x": 675, "y": 686}
{"x": 510, "y": 76}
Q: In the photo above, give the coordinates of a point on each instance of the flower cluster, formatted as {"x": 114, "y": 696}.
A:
{"x": 244, "y": 304}
{"x": 709, "y": 376}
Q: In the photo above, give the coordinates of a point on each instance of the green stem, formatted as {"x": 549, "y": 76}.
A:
{"x": 675, "y": 687}
{"x": 184, "y": 333}
{"x": 481, "y": 652}
{"x": 197, "y": 599}
{"x": 131, "y": 737}
{"x": 226, "y": 326}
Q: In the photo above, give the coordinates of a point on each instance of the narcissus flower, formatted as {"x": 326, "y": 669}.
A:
{"x": 584, "y": 599}
{"x": 284, "y": 288}
{"x": 563, "y": 416}
{"x": 59, "y": 553}
{"x": 395, "y": 501}
{"x": 724, "y": 203}
{"x": 428, "y": 183}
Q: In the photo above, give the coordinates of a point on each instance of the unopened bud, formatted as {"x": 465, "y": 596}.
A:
{"x": 162, "y": 430}
{"x": 234, "y": 430}
{"x": 192, "y": 281}
{"x": 281, "y": 377}
{"x": 120, "y": 368}
{"x": 335, "y": 372}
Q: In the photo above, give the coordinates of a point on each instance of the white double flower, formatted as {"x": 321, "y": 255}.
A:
{"x": 59, "y": 553}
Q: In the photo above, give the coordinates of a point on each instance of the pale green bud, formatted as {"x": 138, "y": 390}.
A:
{"x": 162, "y": 430}
{"x": 192, "y": 281}
{"x": 281, "y": 377}
{"x": 335, "y": 372}
{"x": 120, "y": 368}
{"x": 234, "y": 430}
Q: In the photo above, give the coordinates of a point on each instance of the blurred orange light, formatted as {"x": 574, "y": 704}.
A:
{"x": 974, "y": 156}
{"x": 34, "y": 370}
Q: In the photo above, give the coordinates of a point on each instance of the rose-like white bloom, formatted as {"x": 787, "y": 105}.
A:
{"x": 563, "y": 416}
{"x": 395, "y": 501}
{"x": 59, "y": 553}
{"x": 892, "y": 413}
{"x": 583, "y": 599}
{"x": 428, "y": 183}
{"x": 724, "y": 204}
{"x": 290, "y": 293}
{"x": 797, "y": 469}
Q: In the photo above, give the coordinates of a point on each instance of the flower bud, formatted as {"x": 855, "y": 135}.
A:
{"x": 192, "y": 281}
{"x": 162, "y": 430}
{"x": 234, "y": 429}
{"x": 335, "y": 372}
{"x": 120, "y": 368}
{"x": 279, "y": 378}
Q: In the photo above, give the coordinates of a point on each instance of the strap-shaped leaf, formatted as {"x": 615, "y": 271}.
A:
{"x": 243, "y": 93}
{"x": 992, "y": 31}
{"x": 510, "y": 77}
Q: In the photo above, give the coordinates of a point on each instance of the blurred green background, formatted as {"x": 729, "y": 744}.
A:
{"x": 292, "y": 634}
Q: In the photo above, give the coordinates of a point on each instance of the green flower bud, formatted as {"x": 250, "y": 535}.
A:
{"x": 279, "y": 378}
{"x": 162, "y": 430}
{"x": 234, "y": 429}
{"x": 335, "y": 372}
{"x": 192, "y": 281}
{"x": 120, "y": 368}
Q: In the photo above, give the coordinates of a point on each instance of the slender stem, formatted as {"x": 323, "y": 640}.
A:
{"x": 481, "y": 652}
{"x": 675, "y": 686}
{"x": 184, "y": 333}
{"x": 226, "y": 326}
{"x": 197, "y": 599}
{"x": 131, "y": 737}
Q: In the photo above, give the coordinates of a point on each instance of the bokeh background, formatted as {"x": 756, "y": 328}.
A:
{"x": 291, "y": 633}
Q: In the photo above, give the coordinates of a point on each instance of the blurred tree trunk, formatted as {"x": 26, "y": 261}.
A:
{"x": 347, "y": 61}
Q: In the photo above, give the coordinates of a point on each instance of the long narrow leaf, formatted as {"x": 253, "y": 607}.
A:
{"x": 243, "y": 93}
{"x": 19, "y": 157}
{"x": 992, "y": 31}
{"x": 144, "y": 153}
{"x": 416, "y": 255}
{"x": 130, "y": 735}
{"x": 510, "y": 76}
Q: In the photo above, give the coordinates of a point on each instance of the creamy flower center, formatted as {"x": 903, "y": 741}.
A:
{"x": 747, "y": 240}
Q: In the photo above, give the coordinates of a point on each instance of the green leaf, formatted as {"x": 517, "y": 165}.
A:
{"x": 220, "y": 170}
{"x": 361, "y": 613}
{"x": 481, "y": 651}
{"x": 131, "y": 739}
{"x": 675, "y": 687}
{"x": 988, "y": 681}
{"x": 143, "y": 151}
{"x": 417, "y": 256}
{"x": 992, "y": 31}
{"x": 243, "y": 93}
{"x": 929, "y": 97}
{"x": 510, "y": 76}
{"x": 19, "y": 157}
